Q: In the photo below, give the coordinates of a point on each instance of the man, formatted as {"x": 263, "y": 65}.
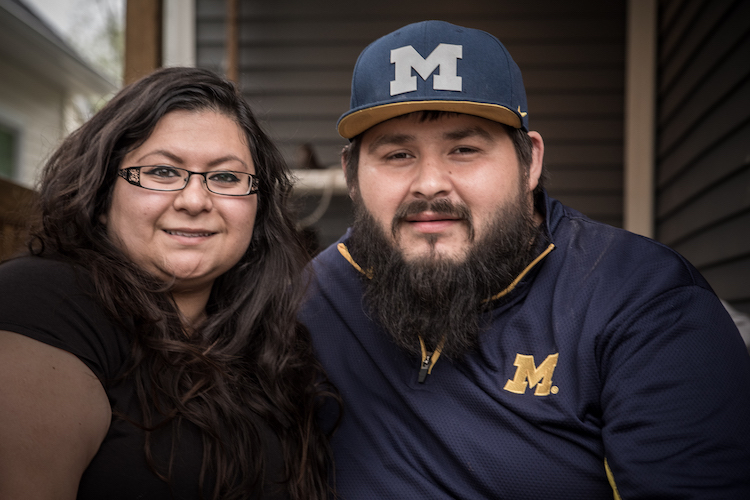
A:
{"x": 489, "y": 342}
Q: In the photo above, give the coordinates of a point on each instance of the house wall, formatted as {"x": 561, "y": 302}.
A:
{"x": 703, "y": 149}
{"x": 296, "y": 60}
{"x": 34, "y": 108}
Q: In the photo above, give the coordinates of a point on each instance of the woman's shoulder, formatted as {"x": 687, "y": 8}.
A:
{"x": 55, "y": 302}
{"x": 31, "y": 282}
{"x": 40, "y": 271}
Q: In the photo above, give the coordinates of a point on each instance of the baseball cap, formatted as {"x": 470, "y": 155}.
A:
{"x": 435, "y": 65}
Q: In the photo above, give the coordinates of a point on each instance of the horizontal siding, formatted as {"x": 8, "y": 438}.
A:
{"x": 703, "y": 117}
{"x": 323, "y": 29}
{"x": 723, "y": 201}
{"x": 350, "y": 11}
{"x": 674, "y": 19}
{"x": 719, "y": 25}
{"x": 585, "y": 154}
{"x": 316, "y": 81}
{"x": 729, "y": 281}
{"x": 721, "y": 82}
{"x": 33, "y": 107}
{"x": 570, "y": 180}
{"x": 554, "y": 130}
{"x": 703, "y": 251}
{"x": 727, "y": 114}
{"x": 718, "y": 163}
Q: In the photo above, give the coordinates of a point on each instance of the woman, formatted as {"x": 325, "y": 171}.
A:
{"x": 148, "y": 345}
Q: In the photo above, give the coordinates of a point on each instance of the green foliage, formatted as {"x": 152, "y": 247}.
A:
{"x": 98, "y": 33}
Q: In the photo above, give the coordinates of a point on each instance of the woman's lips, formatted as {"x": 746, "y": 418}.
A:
{"x": 189, "y": 233}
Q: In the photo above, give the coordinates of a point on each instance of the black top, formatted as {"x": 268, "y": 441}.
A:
{"x": 54, "y": 302}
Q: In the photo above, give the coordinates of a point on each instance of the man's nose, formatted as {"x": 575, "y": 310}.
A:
{"x": 432, "y": 179}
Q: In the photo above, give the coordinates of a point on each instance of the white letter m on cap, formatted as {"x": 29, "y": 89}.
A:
{"x": 444, "y": 56}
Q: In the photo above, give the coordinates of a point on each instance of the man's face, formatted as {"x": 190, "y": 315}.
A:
{"x": 436, "y": 186}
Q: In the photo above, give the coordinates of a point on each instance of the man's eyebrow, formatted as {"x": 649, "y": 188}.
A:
{"x": 469, "y": 132}
{"x": 389, "y": 139}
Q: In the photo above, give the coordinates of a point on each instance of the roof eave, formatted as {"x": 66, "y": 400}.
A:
{"x": 28, "y": 41}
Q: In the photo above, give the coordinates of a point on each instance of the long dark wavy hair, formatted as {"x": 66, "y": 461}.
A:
{"x": 250, "y": 357}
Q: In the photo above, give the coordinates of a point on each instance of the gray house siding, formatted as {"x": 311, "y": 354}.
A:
{"x": 296, "y": 59}
{"x": 703, "y": 148}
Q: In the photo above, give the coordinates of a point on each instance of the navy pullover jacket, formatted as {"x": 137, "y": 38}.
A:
{"x": 610, "y": 369}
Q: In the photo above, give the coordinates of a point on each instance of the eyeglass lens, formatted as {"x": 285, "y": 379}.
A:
{"x": 167, "y": 178}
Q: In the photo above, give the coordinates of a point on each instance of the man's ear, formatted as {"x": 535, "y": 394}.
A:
{"x": 351, "y": 187}
{"x": 537, "y": 159}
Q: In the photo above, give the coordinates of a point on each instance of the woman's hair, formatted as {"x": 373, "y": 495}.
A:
{"x": 250, "y": 358}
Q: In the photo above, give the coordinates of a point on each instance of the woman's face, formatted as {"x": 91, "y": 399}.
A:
{"x": 192, "y": 235}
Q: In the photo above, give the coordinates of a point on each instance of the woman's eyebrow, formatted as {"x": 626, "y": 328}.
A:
{"x": 224, "y": 159}
{"x": 161, "y": 152}
{"x": 178, "y": 160}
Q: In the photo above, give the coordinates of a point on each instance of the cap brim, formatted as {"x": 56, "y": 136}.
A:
{"x": 357, "y": 122}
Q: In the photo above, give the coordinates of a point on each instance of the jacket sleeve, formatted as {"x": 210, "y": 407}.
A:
{"x": 676, "y": 400}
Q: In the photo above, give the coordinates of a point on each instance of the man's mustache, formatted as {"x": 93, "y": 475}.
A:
{"x": 440, "y": 206}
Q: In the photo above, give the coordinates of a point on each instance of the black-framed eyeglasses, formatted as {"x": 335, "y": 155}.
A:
{"x": 168, "y": 178}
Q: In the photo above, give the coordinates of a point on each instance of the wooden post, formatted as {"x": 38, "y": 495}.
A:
{"x": 16, "y": 213}
{"x": 233, "y": 41}
{"x": 640, "y": 122}
{"x": 143, "y": 38}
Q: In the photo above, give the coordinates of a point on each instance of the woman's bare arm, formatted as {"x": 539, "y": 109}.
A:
{"x": 54, "y": 414}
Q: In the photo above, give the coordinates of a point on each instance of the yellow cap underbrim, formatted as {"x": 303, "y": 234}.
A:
{"x": 357, "y": 122}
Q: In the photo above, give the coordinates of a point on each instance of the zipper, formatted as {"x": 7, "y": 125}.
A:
{"x": 424, "y": 368}
{"x": 428, "y": 359}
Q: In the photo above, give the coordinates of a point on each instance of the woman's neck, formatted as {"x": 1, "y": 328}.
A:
{"x": 192, "y": 305}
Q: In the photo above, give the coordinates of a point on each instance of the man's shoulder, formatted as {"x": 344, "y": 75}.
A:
{"x": 596, "y": 247}
{"x": 332, "y": 270}
{"x": 330, "y": 254}
{"x": 332, "y": 259}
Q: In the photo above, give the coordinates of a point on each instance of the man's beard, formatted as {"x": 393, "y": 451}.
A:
{"x": 434, "y": 297}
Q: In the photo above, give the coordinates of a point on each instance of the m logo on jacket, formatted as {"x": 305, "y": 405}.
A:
{"x": 528, "y": 375}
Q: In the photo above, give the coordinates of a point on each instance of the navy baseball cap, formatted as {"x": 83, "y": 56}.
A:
{"x": 434, "y": 65}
